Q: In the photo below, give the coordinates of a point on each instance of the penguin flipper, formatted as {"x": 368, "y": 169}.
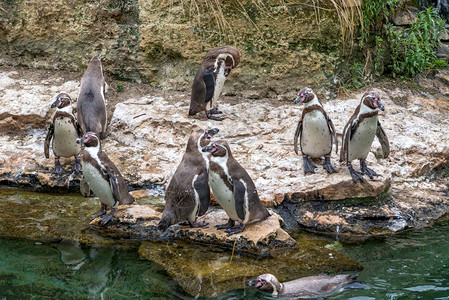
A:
{"x": 331, "y": 126}
{"x": 113, "y": 182}
{"x": 297, "y": 133}
{"x": 79, "y": 131}
{"x": 209, "y": 80}
{"x": 383, "y": 140}
{"x": 345, "y": 144}
{"x": 50, "y": 132}
{"x": 239, "y": 198}
{"x": 201, "y": 186}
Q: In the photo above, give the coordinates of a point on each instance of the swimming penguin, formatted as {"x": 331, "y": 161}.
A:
{"x": 91, "y": 105}
{"x": 233, "y": 189}
{"x": 210, "y": 78}
{"x": 188, "y": 195}
{"x": 103, "y": 177}
{"x": 304, "y": 287}
{"x": 63, "y": 132}
{"x": 316, "y": 132}
{"x": 358, "y": 135}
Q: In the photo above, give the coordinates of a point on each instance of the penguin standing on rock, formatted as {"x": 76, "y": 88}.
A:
{"x": 316, "y": 132}
{"x": 188, "y": 195}
{"x": 358, "y": 135}
{"x": 210, "y": 78}
{"x": 311, "y": 286}
{"x": 233, "y": 189}
{"x": 103, "y": 177}
{"x": 91, "y": 105}
{"x": 63, "y": 132}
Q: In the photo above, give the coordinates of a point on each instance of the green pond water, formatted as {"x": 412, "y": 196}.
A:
{"x": 411, "y": 265}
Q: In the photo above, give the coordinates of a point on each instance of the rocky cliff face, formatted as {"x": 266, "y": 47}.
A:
{"x": 283, "y": 46}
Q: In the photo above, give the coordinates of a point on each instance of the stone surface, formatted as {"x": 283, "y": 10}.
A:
{"x": 149, "y": 128}
{"x": 163, "y": 42}
{"x": 139, "y": 222}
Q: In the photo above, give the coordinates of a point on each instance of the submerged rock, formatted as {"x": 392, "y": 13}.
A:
{"x": 210, "y": 271}
{"x": 140, "y": 221}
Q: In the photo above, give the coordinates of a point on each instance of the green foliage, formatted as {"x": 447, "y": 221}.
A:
{"x": 375, "y": 12}
{"x": 413, "y": 49}
{"x": 119, "y": 87}
{"x": 356, "y": 79}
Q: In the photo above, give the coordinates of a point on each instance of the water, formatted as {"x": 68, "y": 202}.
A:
{"x": 412, "y": 265}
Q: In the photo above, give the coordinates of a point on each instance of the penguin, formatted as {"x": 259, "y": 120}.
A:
{"x": 103, "y": 177}
{"x": 210, "y": 78}
{"x": 91, "y": 105}
{"x": 311, "y": 286}
{"x": 188, "y": 195}
{"x": 62, "y": 133}
{"x": 316, "y": 132}
{"x": 358, "y": 135}
{"x": 233, "y": 189}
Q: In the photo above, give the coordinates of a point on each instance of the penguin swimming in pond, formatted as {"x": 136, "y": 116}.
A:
{"x": 311, "y": 286}
{"x": 91, "y": 105}
{"x": 358, "y": 135}
{"x": 188, "y": 195}
{"x": 103, "y": 177}
{"x": 316, "y": 132}
{"x": 210, "y": 78}
{"x": 233, "y": 189}
{"x": 62, "y": 133}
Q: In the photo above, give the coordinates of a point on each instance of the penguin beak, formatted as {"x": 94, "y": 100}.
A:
{"x": 227, "y": 70}
{"x": 55, "y": 104}
{"x": 300, "y": 98}
{"x": 211, "y": 132}
{"x": 380, "y": 105}
{"x": 207, "y": 148}
{"x": 81, "y": 140}
{"x": 256, "y": 282}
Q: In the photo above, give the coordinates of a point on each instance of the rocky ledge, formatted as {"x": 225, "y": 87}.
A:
{"x": 149, "y": 129}
{"x": 139, "y": 221}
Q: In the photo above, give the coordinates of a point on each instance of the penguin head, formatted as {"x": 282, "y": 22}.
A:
{"x": 207, "y": 135}
{"x": 62, "y": 100}
{"x": 219, "y": 148}
{"x": 305, "y": 95}
{"x": 267, "y": 283}
{"x": 89, "y": 139}
{"x": 372, "y": 100}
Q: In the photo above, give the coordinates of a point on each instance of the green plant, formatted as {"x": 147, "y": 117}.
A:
{"x": 356, "y": 77}
{"x": 119, "y": 87}
{"x": 375, "y": 14}
{"x": 413, "y": 49}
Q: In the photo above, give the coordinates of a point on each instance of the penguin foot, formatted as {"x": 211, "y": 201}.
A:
{"x": 198, "y": 224}
{"x": 215, "y": 111}
{"x": 356, "y": 176}
{"x": 209, "y": 116}
{"x": 227, "y": 225}
{"x": 106, "y": 218}
{"x": 58, "y": 167}
{"x": 234, "y": 230}
{"x": 367, "y": 171}
{"x": 308, "y": 166}
{"x": 102, "y": 212}
{"x": 77, "y": 167}
{"x": 328, "y": 166}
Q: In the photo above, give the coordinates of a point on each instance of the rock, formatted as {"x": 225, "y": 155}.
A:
{"x": 406, "y": 16}
{"x": 149, "y": 130}
{"x": 139, "y": 222}
{"x": 209, "y": 271}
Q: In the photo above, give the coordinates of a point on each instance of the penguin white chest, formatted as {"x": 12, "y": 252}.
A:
{"x": 316, "y": 139}
{"x": 219, "y": 82}
{"x": 363, "y": 137}
{"x": 98, "y": 184}
{"x": 223, "y": 194}
{"x": 64, "y": 140}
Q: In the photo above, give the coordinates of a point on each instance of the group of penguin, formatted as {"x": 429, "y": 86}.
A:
{"x": 207, "y": 165}
{"x": 203, "y": 165}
